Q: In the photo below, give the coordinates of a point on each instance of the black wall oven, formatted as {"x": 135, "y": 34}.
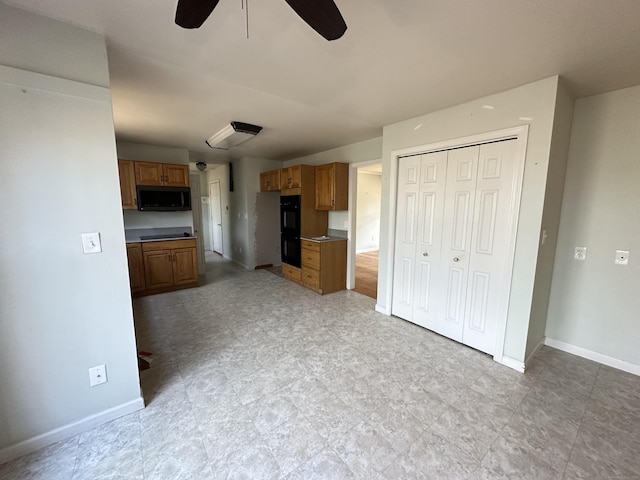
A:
{"x": 290, "y": 229}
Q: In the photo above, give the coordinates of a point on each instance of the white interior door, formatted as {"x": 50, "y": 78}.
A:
{"x": 486, "y": 304}
{"x": 406, "y": 236}
{"x": 454, "y": 215}
{"x": 462, "y": 166}
{"x": 216, "y": 217}
{"x": 433, "y": 172}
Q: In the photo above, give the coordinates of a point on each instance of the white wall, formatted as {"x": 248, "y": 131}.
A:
{"x": 532, "y": 104}
{"x": 368, "y": 211}
{"x": 594, "y": 304}
{"x": 61, "y": 312}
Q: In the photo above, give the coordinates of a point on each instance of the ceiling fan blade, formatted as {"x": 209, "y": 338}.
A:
{"x": 193, "y": 13}
{"x": 321, "y": 15}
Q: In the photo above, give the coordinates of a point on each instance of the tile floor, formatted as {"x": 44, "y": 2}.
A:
{"x": 253, "y": 377}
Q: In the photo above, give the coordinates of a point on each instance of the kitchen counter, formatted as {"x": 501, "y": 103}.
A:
{"x": 323, "y": 239}
{"x": 157, "y": 234}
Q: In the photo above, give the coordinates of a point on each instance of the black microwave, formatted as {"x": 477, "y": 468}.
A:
{"x": 163, "y": 199}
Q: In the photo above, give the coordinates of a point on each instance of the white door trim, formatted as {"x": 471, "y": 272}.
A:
{"x": 351, "y": 221}
{"x": 520, "y": 134}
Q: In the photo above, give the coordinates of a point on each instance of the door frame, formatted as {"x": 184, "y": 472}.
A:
{"x": 352, "y": 218}
{"x": 520, "y": 134}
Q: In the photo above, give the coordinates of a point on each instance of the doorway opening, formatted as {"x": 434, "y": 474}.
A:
{"x": 366, "y": 187}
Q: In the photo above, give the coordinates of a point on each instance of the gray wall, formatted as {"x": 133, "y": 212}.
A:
{"x": 594, "y": 303}
{"x": 61, "y": 311}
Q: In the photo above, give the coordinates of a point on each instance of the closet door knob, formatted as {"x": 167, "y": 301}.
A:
{"x": 456, "y": 259}
{"x": 425, "y": 254}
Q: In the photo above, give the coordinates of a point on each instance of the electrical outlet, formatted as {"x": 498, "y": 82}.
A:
{"x": 97, "y": 375}
{"x": 580, "y": 253}
{"x": 622, "y": 257}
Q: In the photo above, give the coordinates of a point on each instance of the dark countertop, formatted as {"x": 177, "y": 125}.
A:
{"x": 323, "y": 239}
{"x": 157, "y": 234}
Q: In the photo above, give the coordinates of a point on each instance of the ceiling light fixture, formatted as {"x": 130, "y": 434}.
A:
{"x": 201, "y": 166}
{"x": 233, "y": 134}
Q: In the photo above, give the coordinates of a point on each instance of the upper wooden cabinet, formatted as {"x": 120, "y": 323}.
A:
{"x": 270, "y": 181}
{"x": 291, "y": 177}
{"x": 162, "y": 174}
{"x": 332, "y": 186}
{"x": 127, "y": 174}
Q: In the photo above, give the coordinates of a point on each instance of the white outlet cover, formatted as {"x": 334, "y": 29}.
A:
{"x": 91, "y": 242}
{"x": 97, "y": 375}
{"x": 622, "y": 257}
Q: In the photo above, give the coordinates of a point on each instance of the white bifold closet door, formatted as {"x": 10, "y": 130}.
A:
{"x": 453, "y": 217}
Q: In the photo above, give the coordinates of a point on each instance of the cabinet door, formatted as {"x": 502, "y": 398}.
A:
{"x": 175, "y": 175}
{"x": 293, "y": 176}
{"x": 274, "y": 180}
{"x": 158, "y": 269}
{"x": 325, "y": 185}
{"x": 185, "y": 266}
{"x": 136, "y": 267}
{"x": 149, "y": 173}
{"x": 127, "y": 174}
{"x": 264, "y": 182}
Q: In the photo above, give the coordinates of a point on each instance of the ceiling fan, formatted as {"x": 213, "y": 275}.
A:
{"x": 321, "y": 15}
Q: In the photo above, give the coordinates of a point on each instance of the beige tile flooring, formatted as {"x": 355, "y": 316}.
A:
{"x": 254, "y": 377}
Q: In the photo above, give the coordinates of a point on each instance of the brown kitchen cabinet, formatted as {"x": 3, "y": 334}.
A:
{"x": 291, "y": 177}
{"x": 169, "y": 265}
{"x": 332, "y": 186}
{"x": 270, "y": 181}
{"x": 136, "y": 267}
{"x": 324, "y": 265}
{"x": 127, "y": 174}
{"x": 162, "y": 174}
{"x": 292, "y": 273}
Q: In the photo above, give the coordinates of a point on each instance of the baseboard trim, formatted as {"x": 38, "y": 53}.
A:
{"x": 533, "y": 354}
{"x": 367, "y": 250}
{"x": 595, "y": 356}
{"x": 67, "y": 431}
{"x": 511, "y": 363}
{"x": 381, "y": 309}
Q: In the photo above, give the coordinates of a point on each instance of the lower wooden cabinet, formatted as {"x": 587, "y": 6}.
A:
{"x": 292, "y": 273}
{"x": 166, "y": 265}
{"x": 324, "y": 265}
{"x": 136, "y": 267}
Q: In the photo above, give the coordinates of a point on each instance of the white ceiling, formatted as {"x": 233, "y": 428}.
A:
{"x": 175, "y": 87}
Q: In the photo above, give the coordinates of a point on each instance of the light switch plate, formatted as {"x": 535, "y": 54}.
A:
{"x": 91, "y": 243}
{"x": 580, "y": 253}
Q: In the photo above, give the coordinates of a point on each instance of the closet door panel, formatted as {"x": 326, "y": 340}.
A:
{"x": 406, "y": 237}
{"x": 488, "y": 290}
{"x": 462, "y": 167}
{"x": 433, "y": 171}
